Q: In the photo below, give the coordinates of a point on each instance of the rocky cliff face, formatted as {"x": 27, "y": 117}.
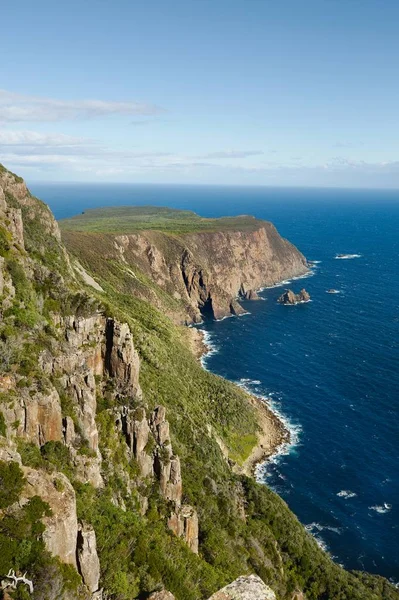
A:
{"x": 104, "y": 493}
{"x": 206, "y": 273}
{"x": 209, "y": 271}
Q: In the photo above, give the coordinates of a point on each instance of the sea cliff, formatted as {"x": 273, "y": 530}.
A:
{"x": 118, "y": 452}
{"x": 206, "y": 270}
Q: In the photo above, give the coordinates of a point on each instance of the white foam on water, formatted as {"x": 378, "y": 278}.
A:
{"x": 382, "y": 508}
{"x": 347, "y": 256}
{"x": 243, "y": 381}
{"x": 346, "y": 494}
{"x": 212, "y": 348}
{"x": 309, "y": 273}
{"x": 311, "y": 527}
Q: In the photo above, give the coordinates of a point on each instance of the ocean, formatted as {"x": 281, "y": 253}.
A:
{"x": 329, "y": 367}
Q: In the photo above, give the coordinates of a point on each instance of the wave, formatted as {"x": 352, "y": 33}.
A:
{"x": 243, "y": 381}
{"x": 381, "y": 509}
{"x": 309, "y": 273}
{"x": 347, "y": 256}
{"x": 311, "y": 527}
{"x": 346, "y": 494}
{"x": 212, "y": 348}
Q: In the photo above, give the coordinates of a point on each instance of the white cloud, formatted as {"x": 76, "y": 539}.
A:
{"x": 16, "y": 108}
{"x": 34, "y": 138}
{"x": 231, "y": 154}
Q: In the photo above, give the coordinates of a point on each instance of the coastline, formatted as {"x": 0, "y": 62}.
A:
{"x": 273, "y": 434}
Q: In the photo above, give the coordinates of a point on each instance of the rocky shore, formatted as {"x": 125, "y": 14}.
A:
{"x": 272, "y": 431}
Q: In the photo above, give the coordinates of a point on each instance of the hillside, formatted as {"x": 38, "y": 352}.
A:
{"x": 120, "y": 457}
{"x": 204, "y": 265}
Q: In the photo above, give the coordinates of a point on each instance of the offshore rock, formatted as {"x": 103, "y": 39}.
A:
{"x": 249, "y": 587}
{"x": 88, "y": 562}
{"x": 290, "y": 298}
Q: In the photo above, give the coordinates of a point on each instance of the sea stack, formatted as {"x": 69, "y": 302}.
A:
{"x": 289, "y": 297}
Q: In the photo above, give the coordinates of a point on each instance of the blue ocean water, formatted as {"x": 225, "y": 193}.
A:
{"x": 329, "y": 366}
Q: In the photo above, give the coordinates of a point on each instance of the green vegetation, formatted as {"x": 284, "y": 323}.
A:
{"x": 128, "y": 219}
{"x": 244, "y": 526}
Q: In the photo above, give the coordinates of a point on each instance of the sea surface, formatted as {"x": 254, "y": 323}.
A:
{"x": 330, "y": 366}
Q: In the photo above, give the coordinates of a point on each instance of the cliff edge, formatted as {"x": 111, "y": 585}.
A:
{"x": 205, "y": 265}
{"x": 117, "y": 450}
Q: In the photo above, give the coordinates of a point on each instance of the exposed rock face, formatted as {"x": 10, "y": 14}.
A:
{"x": 163, "y": 595}
{"x": 207, "y": 271}
{"x": 251, "y": 295}
{"x": 249, "y": 587}
{"x": 35, "y": 416}
{"x": 62, "y": 526}
{"x": 88, "y": 563}
{"x": 156, "y": 459}
{"x": 184, "y": 523}
{"x": 289, "y": 297}
{"x": 121, "y": 358}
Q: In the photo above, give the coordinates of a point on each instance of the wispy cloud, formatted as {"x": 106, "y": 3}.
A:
{"x": 34, "y": 138}
{"x": 16, "y": 108}
{"x": 345, "y": 145}
{"x": 231, "y": 154}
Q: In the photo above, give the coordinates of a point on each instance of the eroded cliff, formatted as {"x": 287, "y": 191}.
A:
{"x": 117, "y": 451}
{"x": 206, "y": 271}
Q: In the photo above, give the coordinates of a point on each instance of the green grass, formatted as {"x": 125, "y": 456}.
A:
{"x": 128, "y": 219}
{"x": 244, "y": 526}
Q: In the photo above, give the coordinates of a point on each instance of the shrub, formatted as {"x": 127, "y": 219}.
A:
{"x": 11, "y": 483}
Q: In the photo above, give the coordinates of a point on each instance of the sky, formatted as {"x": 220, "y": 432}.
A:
{"x": 238, "y": 92}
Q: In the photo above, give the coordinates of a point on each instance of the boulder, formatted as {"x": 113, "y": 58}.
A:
{"x": 162, "y": 595}
{"x": 248, "y": 587}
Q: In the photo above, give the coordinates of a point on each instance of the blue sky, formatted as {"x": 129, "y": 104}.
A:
{"x": 257, "y": 92}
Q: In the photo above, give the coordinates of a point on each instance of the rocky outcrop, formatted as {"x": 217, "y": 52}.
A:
{"x": 62, "y": 525}
{"x": 121, "y": 359}
{"x": 148, "y": 441}
{"x": 184, "y": 523}
{"x": 290, "y": 298}
{"x": 88, "y": 562}
{"x": 249, "y": 587}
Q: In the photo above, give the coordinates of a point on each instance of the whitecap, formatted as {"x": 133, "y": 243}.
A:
{"x": 347, "y": 256}
{"x": 244, "y": 381}
{"x": 382, "y": 508}
{"x": 346, "y": 494}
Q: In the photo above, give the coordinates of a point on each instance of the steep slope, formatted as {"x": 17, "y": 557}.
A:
{"x": 113, "y": 483}
{"x": 203, "y": 264}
